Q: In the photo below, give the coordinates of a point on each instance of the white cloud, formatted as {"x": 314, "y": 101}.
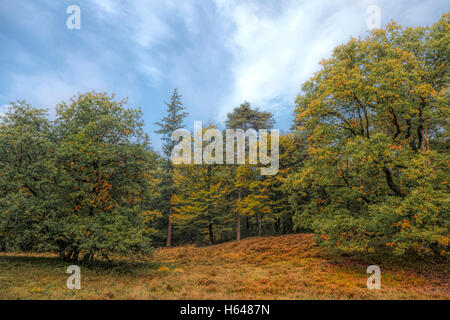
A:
{"x": 48, "y": 88}
{"x": 255, "y": 50}
{"x": 107, "y": 6}
{"x": 275, "y": 51}
{"x": 143, "y": 20}
{"x": 149, "y": 24}
{"x": 136, "y": 28}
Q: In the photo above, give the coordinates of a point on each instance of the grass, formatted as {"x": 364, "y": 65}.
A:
{"x": 284, "y": 267}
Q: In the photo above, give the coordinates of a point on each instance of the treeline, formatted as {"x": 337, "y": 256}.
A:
{"x": 210, "y": 203}
{"x": 365, "y": 166}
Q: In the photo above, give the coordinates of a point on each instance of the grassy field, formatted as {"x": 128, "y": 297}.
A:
{"x": 285, "y": 267}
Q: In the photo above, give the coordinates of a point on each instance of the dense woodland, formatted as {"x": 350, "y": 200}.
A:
{"x": 365, "y": 166}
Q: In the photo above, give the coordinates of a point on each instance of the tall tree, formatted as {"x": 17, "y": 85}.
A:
{"x": 375, "y": 119}
{"x": 104, "y": 158}
{"x": 75, "y": 185}
{"x": 201, "y": 204}
{"x": 245, "y": 117}
{"x": 171, "y": 122}
{"x": 292, "y": 154}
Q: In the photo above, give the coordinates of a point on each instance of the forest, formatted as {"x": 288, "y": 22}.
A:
{"x": 364, "y": 167}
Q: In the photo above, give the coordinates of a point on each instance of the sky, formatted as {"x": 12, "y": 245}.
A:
{"x": 218, "y": 53}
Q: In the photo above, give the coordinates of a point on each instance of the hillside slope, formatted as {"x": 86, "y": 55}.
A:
{"x": 284, "y": 267}
{"x": 294, "y": 267}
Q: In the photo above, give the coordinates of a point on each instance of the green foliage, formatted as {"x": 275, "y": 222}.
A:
{"x": 201, "y": 204}
{"x": 375, "y": 121}
{"x": 249, "y": 190}
{"x": 28, "y": 174}
{"x": 366, "y": 167}
{"x": 171, "y": 122}
{"x": 244, "y": 117}
{"x": 76, "y": 185}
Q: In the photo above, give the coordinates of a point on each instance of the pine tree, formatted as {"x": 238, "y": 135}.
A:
{"x": 244, "y": 117}
{"x": 171, "y": 122}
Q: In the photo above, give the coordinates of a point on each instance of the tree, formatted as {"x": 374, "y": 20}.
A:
{"x": 202, "y": 208}
{"x": 374, "y": 119}
{"x": 201, "y": 203}
{"x": 75, "y": 185}
{"x": 282, "y": 198}
{"x": 28, "y": 175}
{"x": 244, "y": 117}
{"x": 171, "y": 122}
{"x": 256, "y": 203}
{"x": 104, "y": 159}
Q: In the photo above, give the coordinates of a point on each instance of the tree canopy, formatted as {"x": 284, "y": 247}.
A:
{"x": 375, "y": 119}
{"x": 75, "y": 185}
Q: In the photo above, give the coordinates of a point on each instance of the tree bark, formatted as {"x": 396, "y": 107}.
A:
{"x": 169, "y": 229}
{"x": 74, "y": 256}
{"x": 238, "y": 218}
{"x": 420, "y": 128}
{"x": 420, "y": 134}
{"x": 408, "y": 135}
{"x": 427, "y": 139}
{"x": 247, "y": 226}
{"x": 277, "y": 224}
{"x": 211, "y": 234}
{"x": 259, "y": 225}
{"x": 391, "y": 184}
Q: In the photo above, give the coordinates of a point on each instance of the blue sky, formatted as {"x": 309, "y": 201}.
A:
{"x": 218, "y": 53}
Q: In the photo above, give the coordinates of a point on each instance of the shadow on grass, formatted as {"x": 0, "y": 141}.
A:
{"x": 385, "y": 258}
{"x": 118, "y": 266}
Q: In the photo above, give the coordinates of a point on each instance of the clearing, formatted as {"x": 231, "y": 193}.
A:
{"x": 283, "y": 267}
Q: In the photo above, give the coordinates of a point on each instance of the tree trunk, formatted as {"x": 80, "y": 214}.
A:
{"x": 420, "y": 134}
{"x": 247, "y": 226}
{"x": 259, "y": 225}
{"x": 211, "y": 234}
{"x": 276, "y": 225}
{"x": 169, "y": 229}
{"x": 68, "y": 255}
{"x": 238, "y": 222}
{"x": 427, "y": 139}
{"x": 75, "y": 255}
{"x": 391, "y": 184}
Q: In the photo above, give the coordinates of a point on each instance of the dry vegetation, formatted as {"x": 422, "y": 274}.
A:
{"x": 285, "y": 267}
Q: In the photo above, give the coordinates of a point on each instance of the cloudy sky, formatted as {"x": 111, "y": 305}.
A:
{"x": 218, "y": 53}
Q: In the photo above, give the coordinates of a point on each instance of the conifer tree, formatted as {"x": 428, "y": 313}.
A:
{"x": 244, "y": 117}
{"x": 168, "y": 124}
